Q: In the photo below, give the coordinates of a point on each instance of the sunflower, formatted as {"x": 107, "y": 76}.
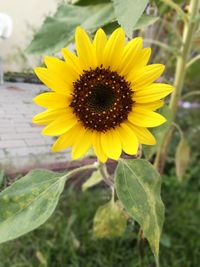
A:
{"x": 103, "y": 97}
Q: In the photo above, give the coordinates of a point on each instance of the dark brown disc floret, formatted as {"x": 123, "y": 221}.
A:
{"x": 102, "y": 99}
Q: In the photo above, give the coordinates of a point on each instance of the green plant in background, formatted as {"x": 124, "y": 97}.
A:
{"x": 29, "y": 202}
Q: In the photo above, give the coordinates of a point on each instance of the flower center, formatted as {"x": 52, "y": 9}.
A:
{"x": 102, "y": 99}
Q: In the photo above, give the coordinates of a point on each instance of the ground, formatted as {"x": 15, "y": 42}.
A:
{"x": 22, "y": 146}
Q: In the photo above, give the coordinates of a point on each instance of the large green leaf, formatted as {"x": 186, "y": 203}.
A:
{"x": 159, "y": 133}
{"x": 138, "y": 188}
{"x": 109, "y": 221}
{"x": 144, "y": 21}
{"x": 128, "y": 13}
{"x": 58, "y": 31}
{"x": 29, "y": 202}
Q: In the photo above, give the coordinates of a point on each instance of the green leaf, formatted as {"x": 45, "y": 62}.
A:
{"x": 144, "y": 21}
{"x": 58, "y": 31}
{"x": 94, "y": 179}
{"x": 109, "y": 221}
{"x": 182, "y": 158}
{"x": 128, "y": 13}
{"x": 159, "y": 133}
{"x": 29, "y": 202}
{"x": 138, "y": 188}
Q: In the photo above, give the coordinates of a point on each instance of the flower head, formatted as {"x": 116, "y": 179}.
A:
{"x": 104, "y": 97}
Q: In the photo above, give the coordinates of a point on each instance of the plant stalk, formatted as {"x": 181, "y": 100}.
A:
{"x": 93, "y": 166}
{"x": 181, "y": 66}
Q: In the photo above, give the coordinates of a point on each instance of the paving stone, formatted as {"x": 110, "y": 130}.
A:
{"x": 12, "y": 143}
{"x": 6, "y": 129}
{"x": 21, "y": 141}
{"x": 35, "y": 142}
{"x": 21, "y": 151}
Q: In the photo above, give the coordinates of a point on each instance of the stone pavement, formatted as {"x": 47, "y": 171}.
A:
{"x": 22, "y": 147}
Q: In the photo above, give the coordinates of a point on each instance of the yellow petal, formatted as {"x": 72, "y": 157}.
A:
{"x": 131, "y": 52}
{"x": 52, "y": 100}
{"x": 72, "y": 59}
{"x": 98, "y": 148}
{"x": 82, "y": 144}
{"x": 111, "y": 144}
{"x": 48, "y": 115}
{"x": 144, "y": 135}
{"x": 128, "y": 139}
{"x": 53, "y": 81}
{"x": 145, "y": 76}
{"x": 99, "y": 43}
{"x": 61, "y": 67}
{"x": 114, "y": 49}
{"x": 60, "y": 125}
{"x": 85, "y": 49}
{"x": 152, "y": 92}
{"x": 143, "y": 57}
{"x": 151, "y": 105}
{"x": 145, "y": 118}
{"x": 66, "y": 140}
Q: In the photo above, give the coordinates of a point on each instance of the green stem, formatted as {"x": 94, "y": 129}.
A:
{"x": 162, "y": 45}
{"x": 179, "y": 129}
{"x": 83, "y": 168}
{"x": 173, "y": 5}
{"x": 190, "y": 94}
{"x": 105, "y": 175}
{"x": 189, "y": 29}
{"x": 192, "y": 61}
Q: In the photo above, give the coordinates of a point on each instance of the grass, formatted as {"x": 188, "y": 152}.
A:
{"x": 65, "y": 240}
